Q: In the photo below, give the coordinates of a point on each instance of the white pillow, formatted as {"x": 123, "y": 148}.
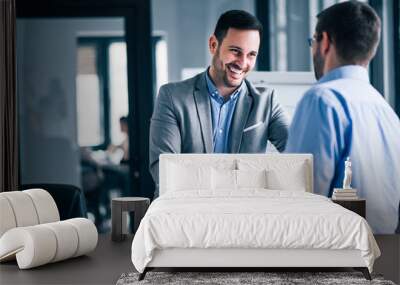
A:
{"x": 182, "y": 177}
{"x": 251, "y": 178}
{"x": 293, "y": 179}
{"x": 223, "y": 179}
{"x": 227, "y": 179}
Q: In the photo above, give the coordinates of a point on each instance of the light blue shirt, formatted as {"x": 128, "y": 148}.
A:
{"x": 221, "y": 114}
{"x": 343, "y": 115}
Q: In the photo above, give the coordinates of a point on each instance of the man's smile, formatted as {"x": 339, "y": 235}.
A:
{"x": 235, "y": 71}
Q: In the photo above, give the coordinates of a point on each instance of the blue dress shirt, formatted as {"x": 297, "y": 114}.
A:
{"x": 343, "y": 115}
{"x": 221, "y": 113}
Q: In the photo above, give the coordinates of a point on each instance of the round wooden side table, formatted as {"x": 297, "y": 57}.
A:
{"x": 120, "y": 207}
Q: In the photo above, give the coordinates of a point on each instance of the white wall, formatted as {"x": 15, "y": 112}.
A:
{"x": 46, "y": 70}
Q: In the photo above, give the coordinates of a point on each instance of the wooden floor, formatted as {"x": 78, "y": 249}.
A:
{"x": 103, "y": 266}
{"x": 111, "y": 259}
{"x": 389, "y": 262}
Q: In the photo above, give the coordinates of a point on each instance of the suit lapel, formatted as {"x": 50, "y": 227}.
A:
{"x": 239, "y": 120}
{"x": 202, "y": 100}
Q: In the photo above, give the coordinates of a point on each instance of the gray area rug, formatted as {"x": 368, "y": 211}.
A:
{"x": 228, "y": 278}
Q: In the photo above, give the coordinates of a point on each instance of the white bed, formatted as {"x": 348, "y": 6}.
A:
{"x": 239, "y": 210}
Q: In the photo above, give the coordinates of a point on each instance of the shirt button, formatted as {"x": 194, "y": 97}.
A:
{"x": 220, "y": 131}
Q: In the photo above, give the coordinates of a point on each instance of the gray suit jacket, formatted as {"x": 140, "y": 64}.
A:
{"x": 181, "y": 121}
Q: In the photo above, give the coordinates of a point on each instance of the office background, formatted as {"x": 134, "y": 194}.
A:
{"x": 81, "y": 65}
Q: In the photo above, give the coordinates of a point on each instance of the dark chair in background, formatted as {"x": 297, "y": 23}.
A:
{"x": 70, "y": 200}
{"x": 101, "y": 179}
{"x": 92, "y": 185}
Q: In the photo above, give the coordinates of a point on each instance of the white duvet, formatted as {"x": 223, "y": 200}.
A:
{"x": 252, "y": 218}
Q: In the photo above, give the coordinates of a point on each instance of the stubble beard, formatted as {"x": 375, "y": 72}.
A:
{"x": 222, "y": 73}
{"x": 319, "y": 63}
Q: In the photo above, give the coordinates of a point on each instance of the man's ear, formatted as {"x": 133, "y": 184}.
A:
{"x": 213, "y": 44}
{"x": 325, "y": 43}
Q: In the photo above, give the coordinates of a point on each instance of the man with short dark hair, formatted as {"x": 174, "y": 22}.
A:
{"x": 218, "y": 111}
{"x": 344, "y": 116}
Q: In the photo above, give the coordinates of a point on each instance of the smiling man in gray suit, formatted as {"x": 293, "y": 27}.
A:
{"x": 218, "y": 111}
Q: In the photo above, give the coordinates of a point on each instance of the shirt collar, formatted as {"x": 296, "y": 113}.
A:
{"x": 213, "y": 91}
{"x": 347, "y": 71}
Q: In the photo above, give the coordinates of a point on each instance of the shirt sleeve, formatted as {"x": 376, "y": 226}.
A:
{"x": 319, "y": 127}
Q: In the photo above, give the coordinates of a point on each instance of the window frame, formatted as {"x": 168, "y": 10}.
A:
{"x": 383, "y": 75}
{"x": 102, "y": 45}
{"x": 263, "y": 58}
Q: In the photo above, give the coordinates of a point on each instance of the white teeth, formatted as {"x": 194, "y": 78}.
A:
{"x": 235, "y": 70}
